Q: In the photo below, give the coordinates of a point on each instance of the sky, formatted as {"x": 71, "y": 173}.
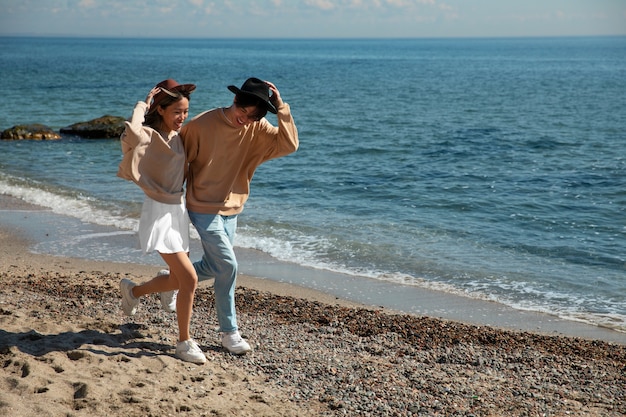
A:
{"x": 312, "y": 18}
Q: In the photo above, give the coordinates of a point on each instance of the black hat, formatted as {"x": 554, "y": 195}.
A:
{"x": 257, "y": 88}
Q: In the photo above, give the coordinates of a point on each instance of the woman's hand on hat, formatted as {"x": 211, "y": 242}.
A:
{"x": 151, "y": 95}
{"x": 275, "y": 98}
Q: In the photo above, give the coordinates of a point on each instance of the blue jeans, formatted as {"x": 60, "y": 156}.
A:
{"x": 217, "y": 234}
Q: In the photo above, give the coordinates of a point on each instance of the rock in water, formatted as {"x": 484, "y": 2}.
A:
{"x": 33, "y": 131}
{"x": 104, "y": 127}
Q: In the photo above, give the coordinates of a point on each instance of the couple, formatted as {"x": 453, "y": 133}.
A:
{"x": 217, "y": 153}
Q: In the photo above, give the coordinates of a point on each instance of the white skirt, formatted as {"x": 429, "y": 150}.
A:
{"x": 163, "y": 227}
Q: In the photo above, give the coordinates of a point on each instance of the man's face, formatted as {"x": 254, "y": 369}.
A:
{"x": 243, "y": 116}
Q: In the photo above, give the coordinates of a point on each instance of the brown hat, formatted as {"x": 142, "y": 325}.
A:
{"x": 257, "y": 88}
{"x": 170, "y": 87}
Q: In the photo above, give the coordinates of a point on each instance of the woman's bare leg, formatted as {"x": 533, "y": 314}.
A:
{"x": 183, "y": 278}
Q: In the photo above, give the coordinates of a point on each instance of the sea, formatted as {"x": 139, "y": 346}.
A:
{"x": 491, "y": 169}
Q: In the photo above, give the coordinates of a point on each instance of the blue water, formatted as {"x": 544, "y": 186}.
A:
{"x": 491, "y": 168}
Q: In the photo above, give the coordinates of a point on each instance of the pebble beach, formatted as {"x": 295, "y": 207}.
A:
{"x": 67, "y": 350}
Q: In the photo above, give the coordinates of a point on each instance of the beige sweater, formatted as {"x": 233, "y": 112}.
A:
{"x": 154, "y": 163}
{"x": 222, "y": 158}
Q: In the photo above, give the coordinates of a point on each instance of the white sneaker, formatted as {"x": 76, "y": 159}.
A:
{"x": 168, "y": 298}
{"x": 234, "y": 343}
{"x": 129, "y": 302}
{"x": 189, "y": 351}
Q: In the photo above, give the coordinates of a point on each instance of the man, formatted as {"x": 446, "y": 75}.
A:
{"x": 224, "y": 146}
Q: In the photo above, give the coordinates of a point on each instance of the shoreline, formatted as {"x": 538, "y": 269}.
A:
{"x": 67, "y": 349}
{"x": 19, "y": 249}
{"x": 261, "y": 272}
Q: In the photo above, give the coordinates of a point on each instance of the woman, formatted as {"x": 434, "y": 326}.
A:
{"x": 155, "y": 160}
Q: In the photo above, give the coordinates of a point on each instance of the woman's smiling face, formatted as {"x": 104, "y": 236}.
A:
{"x": 174, "y": 115}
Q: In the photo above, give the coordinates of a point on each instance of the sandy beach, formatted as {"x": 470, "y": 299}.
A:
{"x": 68, "y": 350}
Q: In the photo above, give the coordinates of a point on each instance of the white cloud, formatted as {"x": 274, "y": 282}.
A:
{"x": 320, "y": 4}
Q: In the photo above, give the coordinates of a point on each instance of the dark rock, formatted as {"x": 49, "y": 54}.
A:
{"x": 101, "y": 128}
{"x": 33, "y": 131}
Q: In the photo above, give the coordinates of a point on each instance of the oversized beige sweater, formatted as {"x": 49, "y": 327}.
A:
{"x": 223, "y": 158}
{"x": 154, "y": 163}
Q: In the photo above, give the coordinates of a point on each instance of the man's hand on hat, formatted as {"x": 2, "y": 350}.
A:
{"x": 275, "y": 98}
